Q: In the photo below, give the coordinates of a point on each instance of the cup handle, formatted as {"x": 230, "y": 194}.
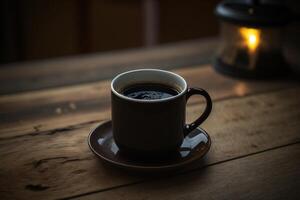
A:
{"x": 198, "y": 91}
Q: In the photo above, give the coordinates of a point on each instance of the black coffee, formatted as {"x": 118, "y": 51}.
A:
{"x": 149, "y": 91}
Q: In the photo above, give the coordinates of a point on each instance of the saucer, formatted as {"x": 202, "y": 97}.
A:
{"x": 102, "y": 144}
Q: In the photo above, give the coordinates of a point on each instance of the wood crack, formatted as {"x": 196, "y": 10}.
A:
{"x": 64, "y": 159}
{"x": 52, "y": 131}
{"x": 76, "y": 159}
{"x": 41, "y": 161}
{"x": 36, "y": 187}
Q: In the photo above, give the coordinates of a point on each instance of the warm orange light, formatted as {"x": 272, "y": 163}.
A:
{"x": 241, "y": 88}
{"x": 251, "y": 37}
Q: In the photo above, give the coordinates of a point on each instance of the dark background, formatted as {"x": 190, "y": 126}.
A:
{"x": 35, "y": 29}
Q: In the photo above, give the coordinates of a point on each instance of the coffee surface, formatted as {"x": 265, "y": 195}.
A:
{"x": 149, "y": 91}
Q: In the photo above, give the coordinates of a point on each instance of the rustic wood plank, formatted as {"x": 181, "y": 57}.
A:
{"x": 94, "y": 67}
{"x": 46, "y": 110}
{"x": 58, "y": 164}
{"x": 272, "y": 175}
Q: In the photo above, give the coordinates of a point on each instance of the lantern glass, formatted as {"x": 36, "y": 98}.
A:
{"x": 250, "y": 48}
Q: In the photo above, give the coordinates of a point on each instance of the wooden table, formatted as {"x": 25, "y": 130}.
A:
{"x": 47, "y": 109}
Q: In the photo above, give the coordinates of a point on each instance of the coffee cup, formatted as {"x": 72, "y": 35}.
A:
{"x": 149, "y": 111}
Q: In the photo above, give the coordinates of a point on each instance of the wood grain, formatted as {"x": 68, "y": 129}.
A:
{"x": 94, "y": 67}
{"x": 269, "y": 175}
{"x": 32, "y": 112}
{"x": 57, "y": 164}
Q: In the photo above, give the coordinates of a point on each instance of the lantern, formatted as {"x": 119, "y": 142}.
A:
{"x": 251, "y": 38}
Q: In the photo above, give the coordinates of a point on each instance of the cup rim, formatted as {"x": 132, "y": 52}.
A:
{"x": 147, "y": 100}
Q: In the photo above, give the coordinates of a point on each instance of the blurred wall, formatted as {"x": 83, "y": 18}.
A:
{"x": 35, "y": 29}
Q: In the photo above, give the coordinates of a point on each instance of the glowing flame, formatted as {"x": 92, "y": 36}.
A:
{"x": 251, "y": 37}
